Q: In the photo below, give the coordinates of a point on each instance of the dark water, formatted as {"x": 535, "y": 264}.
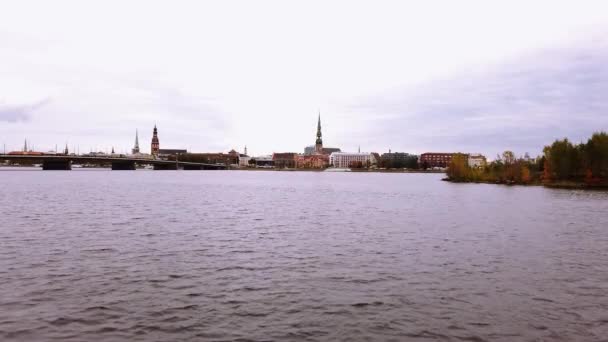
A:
{"x": 280, "y": 256}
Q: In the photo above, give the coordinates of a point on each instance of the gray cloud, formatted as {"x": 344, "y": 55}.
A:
{"x": 16, "y": 113}
{"x": 522, "y": 105}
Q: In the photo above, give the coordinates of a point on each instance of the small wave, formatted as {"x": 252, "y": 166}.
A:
{"x": 251, "y": 314}
{"x": 101, "y": 250}
{"x": 540, "y": 299}
{"x": 360, "y": 305}
{"x": 63, "y": 321}
{"x": 250, "y": 288}
{"x": 241, "y": 268}
{"x": 470, "y": 338}
{"x": 479, "y": 324}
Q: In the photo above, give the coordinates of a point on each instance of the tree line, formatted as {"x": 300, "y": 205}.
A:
{"x": 562, "y": 162}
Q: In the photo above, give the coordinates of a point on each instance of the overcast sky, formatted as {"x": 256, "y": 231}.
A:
{"x": 414, "y": 76}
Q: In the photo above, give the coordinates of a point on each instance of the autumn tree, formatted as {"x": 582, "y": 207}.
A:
{"x": 458, "y": 169}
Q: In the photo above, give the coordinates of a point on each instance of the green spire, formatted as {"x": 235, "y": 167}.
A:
{"x": 319, "y": 126}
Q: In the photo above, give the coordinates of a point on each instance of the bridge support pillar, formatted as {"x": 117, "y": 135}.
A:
{"x": 57, "y": 165}
{"x": 165, "y": 167}
{"x": 123, "y": 165}
{"x": 193, "y": 167}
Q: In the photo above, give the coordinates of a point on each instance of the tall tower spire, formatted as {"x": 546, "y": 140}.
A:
{"x": 136, "y": 147}
{"x": 155, "y": 142}
{"x": 319, "y": 142}
{"x": 66, "y": 151}
{"x": 25, "y": 146}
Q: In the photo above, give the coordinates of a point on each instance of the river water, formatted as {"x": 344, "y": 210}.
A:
{"x": 297, "y": 256}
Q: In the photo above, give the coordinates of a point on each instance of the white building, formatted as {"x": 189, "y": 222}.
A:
{"x": 343, "y": 160}
{"x": 244, "y": 161}
{"x": 264, "y": 161}
{"x": 477, "y": 160}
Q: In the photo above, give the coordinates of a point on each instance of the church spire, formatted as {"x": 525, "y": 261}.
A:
{"x": 136, "y": 147}
{"x": 319, "y": 126}
{"x": 319, "y": 142}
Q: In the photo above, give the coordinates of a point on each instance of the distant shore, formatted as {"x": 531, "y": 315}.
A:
{"x": 30, "y": 167}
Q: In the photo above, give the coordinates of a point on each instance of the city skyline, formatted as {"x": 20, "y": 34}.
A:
{"x": 478, "y": 83}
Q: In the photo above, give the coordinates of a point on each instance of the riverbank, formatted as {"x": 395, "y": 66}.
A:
{"x": 555, "y": 185}
{"x": 336, "y": 170}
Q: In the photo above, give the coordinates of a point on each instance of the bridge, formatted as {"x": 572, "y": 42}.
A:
{"x": 64, "y": 162}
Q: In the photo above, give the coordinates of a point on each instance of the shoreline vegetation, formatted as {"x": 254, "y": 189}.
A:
{"x": 563, "y": 165}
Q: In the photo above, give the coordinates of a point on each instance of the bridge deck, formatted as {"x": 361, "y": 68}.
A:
{"x": 96, "y": 159}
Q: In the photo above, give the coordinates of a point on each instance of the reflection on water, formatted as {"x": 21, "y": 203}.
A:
{"x": 227, "y": 255}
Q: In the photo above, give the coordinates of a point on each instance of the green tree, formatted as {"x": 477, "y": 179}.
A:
{"x": 563, "y": 160}
{"x": 596, "y": 156}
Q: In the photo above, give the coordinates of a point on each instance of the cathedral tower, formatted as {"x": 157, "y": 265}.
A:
{"x": 155, "y": 143}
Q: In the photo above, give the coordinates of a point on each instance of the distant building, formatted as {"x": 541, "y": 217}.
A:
{"x": 477, "y": 160}
{"x": 155, "y": 143}
{"x": 330, "y": 150}
{"x": 398, "y": 160}
{"x": 313, "y": 161}
{"x": 343, "y": 160}
{"x": 264, "y": 161}
{"x": 433, "y": 159}
{"x": 234, "y": 157}
{"x": 310, "y": 150}
{"x": 442, "y": 160}
{"x": 285, "y": 160}
{"x": 376, "y": 157}
{"x": 28, "y": 153}
{"x": 207, "y": 158}
{"x": 244, "y": 160}
{"x": 166, "y": 152}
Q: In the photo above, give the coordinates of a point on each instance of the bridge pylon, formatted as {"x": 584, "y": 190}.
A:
{"x": 57, "y": 164}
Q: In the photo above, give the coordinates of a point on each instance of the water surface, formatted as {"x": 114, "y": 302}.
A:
{"x": 297, "y": 256}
